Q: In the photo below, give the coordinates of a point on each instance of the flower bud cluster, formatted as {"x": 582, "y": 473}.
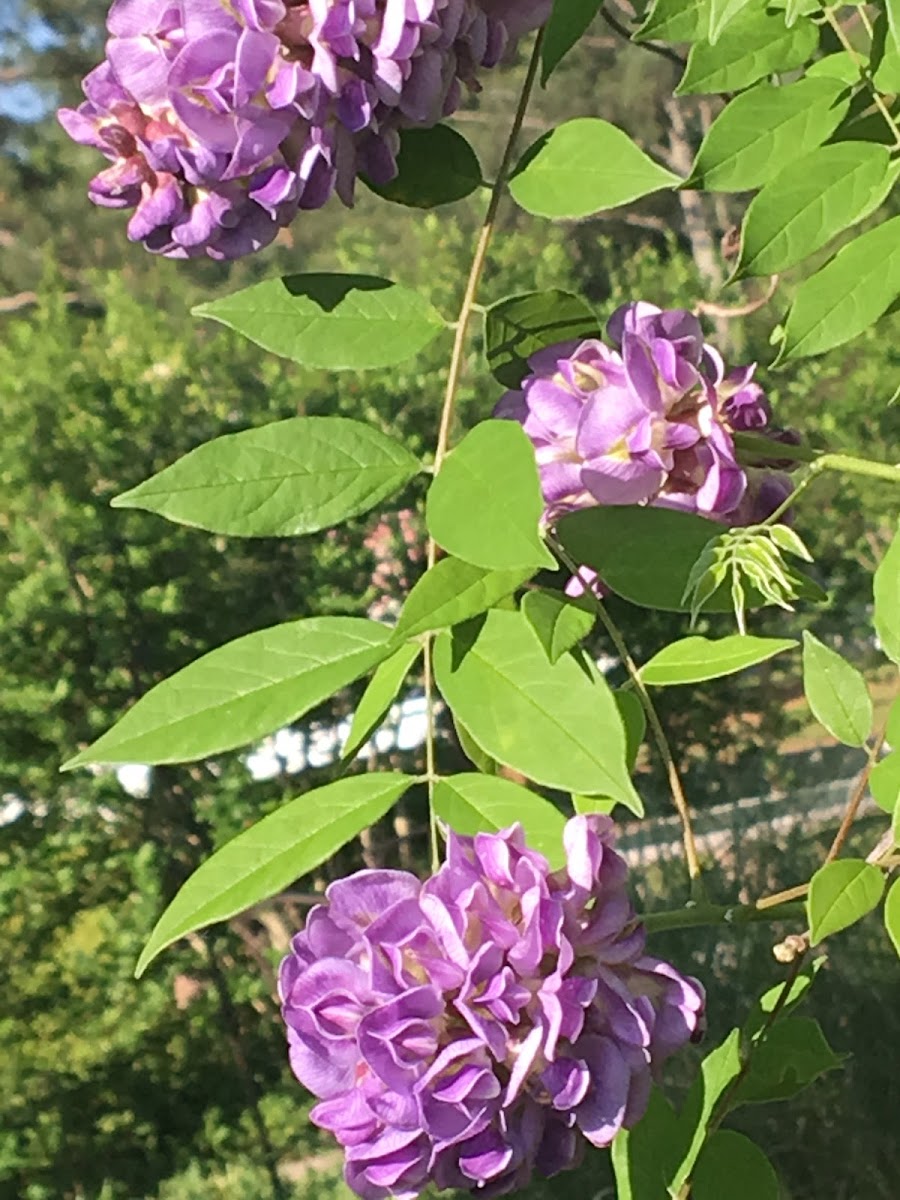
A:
{"x": 484, "y": 1025}
{"x": 223, "y": 118}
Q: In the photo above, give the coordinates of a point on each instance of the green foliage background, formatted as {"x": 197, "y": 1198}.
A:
{"x": 108, "y": 1089}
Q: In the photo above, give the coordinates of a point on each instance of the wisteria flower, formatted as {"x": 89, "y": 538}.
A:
{"x": 223, "y": 118}
{"x": 485, "y": 1025}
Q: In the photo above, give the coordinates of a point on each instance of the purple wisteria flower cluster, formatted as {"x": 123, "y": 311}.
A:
{"x": 223, "y": 118}
{"x": 647, "y": 419}
{"x": 484, "y": 1025}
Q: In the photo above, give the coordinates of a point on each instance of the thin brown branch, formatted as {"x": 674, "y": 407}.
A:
{"x": 856, "y": 799}
{"x": 654, "y": 47}
{"x": 732, "y": 312}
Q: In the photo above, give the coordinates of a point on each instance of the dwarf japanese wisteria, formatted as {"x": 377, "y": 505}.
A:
{"x": 223, "y": 118}
{"x": 484, "y": 1025}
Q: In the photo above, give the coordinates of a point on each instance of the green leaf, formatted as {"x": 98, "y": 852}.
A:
{"x": 718, "y": 1071}
{"x": 582, "y": 167}
{"x": 635, "y": 721}
{"x": 792, "y": 1054}
{"x": 674, "y": 21}
{"x": 836, "y": 692}
{"x": 336, "y": 322}
{"x": 287, "y": 478}
{"x": 383, "y": 689}
{"x": 809, "y": 202}
{"x": 569, "y": 21}
{"x": 886, "y": 587}
{"x": 840, "y": 894}
{"x": 892, "y": 728}
{"x": 560, "y": 623}
{"x": 765, "y": 129}
{"x": 473, "y": 752}
{"x": 757, "y": 1021}
{"x": 887, "y": 72}
{"x": 622, "y": 544}
{"x": 654, "y": 1160}
{"x": 841, "y": 65}
{"x": 721, "y": 14}
{"x": 733, "y": 1166}
{"x": 453, "y": 591}
{"x": 434, "y": 166}
{"x": 484, "y": 803}
{"x": 884, "y": 782}
{"x": 271, "y": 854}
{"x": 695, "y": 659}
{"x": 485, "y": 503}
{"x": 517, "y": 327}
{"x": 756, "y": 43}
{"x": 242, "y": 691}
{"x": 552, "y": 721}
{"x": 892, "y": 914}
{"x": 644, "y": 1158}
{"x": 847, "y": 295}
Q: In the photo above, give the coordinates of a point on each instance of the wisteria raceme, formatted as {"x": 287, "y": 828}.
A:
{"x": 485, "y": 1025}
{"x": 223, "y": 118}
{"x": 647, "y": 419}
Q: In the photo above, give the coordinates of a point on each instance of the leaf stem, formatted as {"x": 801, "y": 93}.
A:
{"x": 845, "y": 464}
{"x": 864, "y": 73}
{"x": 659, "y": 736}
{"x": 699, "y": 915}
{"x": 454, "y": 377}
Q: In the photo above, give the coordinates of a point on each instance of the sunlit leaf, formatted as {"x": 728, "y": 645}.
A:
{"x": 485, "y": 503}
{"x": 286, "y": 478}
{"x": 271, "y": 854}
{"x": 846, "y": 296}
{"x": 695, "y": 659}
{"x": 383, "y": 689}
{"x": 840, "y": 894}
{"x": 765, "y": 129}
{"x": 453, "y": 591}
{"x": 836, "y": 692}
{"x": 886, "y": 588}
{"x": 337, "y": 322}
{"x": 582, "y": 167}
{"x": 558, "y": 622}
{"x": 242, "y": 691}
{"x": 484, "y": 803}
{"x": 554, "y": 722}
{"x": 756, "y": 43}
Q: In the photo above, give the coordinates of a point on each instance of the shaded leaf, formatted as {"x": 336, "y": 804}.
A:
{"x": 836, "y": 692}
{"x": 569, "y": 20}
{"x": 886, "y": 587}
{"x": 757, "y": 1021}
{"x": 434, "y": 166}
{"x": 383, "y": 689}
{"x": 553, "y": 722}
{"x": 695, "y": 659}
{"x": 582, "y": 167}
{"x": 473, "y": 752}
{"x": 287, "y": 478}
{"x": 271, "y": 854}
{"x": 892, "y": 914}
{"x": 788, "y": 1059}
{"x": 484, "y": 803}
{"x": 485, "y": 504}
{"x": 733, "y": 1166}
{"x": 517, "y": 327}
{"x": 765, "y": 129}
{"x": 558, "y": 622}
{"x": 840, "y": 894}
{"x": 242, "y": 691}
{"x": 337, "y": 322}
